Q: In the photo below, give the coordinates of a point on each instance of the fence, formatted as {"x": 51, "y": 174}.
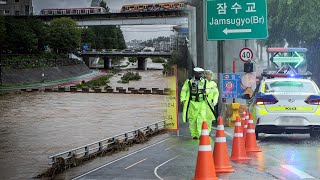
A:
{"x": 106, "y": 144}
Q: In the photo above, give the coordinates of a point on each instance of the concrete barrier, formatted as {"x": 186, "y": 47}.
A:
{"x": 61, "y": 89}
{"x": 147, "y": 91}
{"x": 122, "y": 91}
{"x": 35, "y": 89}
{"x": 160, "y": 91}
{"x": 85, "y": 89}
{"x": 48, "y": 90}
{"x": 135, "y": 91}
{"x": 154, "y": 90}
{"x": 167, "y": 90}
{"x": 73, "y": 89}
{"x": 109, "y": 90}
{"x": 97, "y": 90}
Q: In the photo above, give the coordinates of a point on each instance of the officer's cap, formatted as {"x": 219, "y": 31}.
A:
{"x": 197, "y": 69}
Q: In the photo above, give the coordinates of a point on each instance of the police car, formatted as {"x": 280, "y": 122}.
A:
{"x": 286, "y": 103}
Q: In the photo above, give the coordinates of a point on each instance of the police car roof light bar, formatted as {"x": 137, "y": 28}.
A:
{"x": 284, "y": 50}
{"x": 300, "y": 75}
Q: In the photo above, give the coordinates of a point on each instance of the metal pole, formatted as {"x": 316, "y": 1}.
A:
{"x": 220, "y": 66}
{"x": 234, "y": 71}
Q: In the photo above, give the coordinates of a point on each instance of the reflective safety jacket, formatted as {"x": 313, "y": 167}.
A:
{"x": 194, "y": 91}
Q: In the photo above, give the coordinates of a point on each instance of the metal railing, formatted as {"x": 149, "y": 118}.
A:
{"x": 105, "y": 144}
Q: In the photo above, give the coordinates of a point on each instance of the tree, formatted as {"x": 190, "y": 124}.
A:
{"x": 120, "y": 38}
{"x": 297, "y": 22}
{"x": 41, "y": 30}
{"x": 104, "y": 5}
{"x": 2, "y": 31}
{"x": 104, "y": 37}
{"x": 87, "y": 36}
{"x": 21, "y": 37}
{"x": 64, "y": 35}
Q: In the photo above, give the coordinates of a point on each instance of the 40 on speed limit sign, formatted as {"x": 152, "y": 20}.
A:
{"x": 245, "y": 54}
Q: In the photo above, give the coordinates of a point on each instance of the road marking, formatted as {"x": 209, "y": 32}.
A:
{"x": 119, "y": 159}
{"x": 296, "y": 171}
{"x": 156, "y": 169}
{"x": 136, "y": 163}
{"x": 170, "y": 147}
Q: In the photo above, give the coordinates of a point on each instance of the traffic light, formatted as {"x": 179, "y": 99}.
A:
{"x": 248, "y": 67}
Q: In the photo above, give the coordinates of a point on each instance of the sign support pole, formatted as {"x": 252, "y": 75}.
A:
{"x": 220, "y": 67}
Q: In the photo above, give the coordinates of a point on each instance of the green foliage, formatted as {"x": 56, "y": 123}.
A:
{"x": 176, "y": 58}
{"x": 20, "y": 36}
{"x": 133, "y": 59}
{"x": 28, "y": 61}
{"x": 64, "y": 35}
{"x": 104, "y": 5}
{"x": 129, "y": 76}
{"x": 103, "y": 37}
{"x": 297, "y": 22}
{"x": 2, "y": 31}
{"x": 158, "y": 60}
{"x": 3, "y": 93}
{"x": 101, "y": 81}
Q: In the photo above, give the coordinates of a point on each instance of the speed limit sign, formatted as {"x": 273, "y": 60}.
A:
{"x": 245, "y": 54}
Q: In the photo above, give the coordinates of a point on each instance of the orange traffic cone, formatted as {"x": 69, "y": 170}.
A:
{"x": 238, "y": 147}
{"x": 205, "y": 169}
{"x": 220, "y": 152}
{"x": 243, "y": 121}
{"x": 245, "y": 126}
{"x": 251, "y": 141}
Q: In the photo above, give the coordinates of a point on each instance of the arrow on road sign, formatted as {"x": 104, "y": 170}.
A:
{"x": 298, "y": 59}
{"x": 229, "y": 31}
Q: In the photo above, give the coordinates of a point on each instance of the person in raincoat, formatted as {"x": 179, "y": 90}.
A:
{"x": 212, "y": 92}
{"x": 194, "y": 100}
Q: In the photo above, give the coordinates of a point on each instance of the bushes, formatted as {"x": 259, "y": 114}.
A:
{"x": 133, "y": 59}
{"x": 158, "y": 60}
{"x": 129, "y": 76}
{"x": 101, "y": 81}
{"x": 44, "y": 60}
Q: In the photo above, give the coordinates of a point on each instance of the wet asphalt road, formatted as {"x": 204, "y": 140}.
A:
{"x": 174, "y": 158}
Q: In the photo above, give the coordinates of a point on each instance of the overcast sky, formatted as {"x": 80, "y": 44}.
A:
{"x": 130, "y": 32}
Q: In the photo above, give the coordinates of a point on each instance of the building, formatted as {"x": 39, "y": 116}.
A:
{"x": 16, "y": 7}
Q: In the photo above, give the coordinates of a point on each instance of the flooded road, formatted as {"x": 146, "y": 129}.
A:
{"x": 36, "y": 125}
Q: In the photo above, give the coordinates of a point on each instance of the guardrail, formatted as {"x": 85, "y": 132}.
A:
{"x": 107, "y": 144}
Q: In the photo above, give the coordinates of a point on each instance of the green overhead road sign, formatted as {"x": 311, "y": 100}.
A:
{"x": 295, "y": 59}
{"x": 236, "y": 19}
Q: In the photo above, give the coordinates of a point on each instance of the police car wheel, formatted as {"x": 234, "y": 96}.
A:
{"x": 257, "y": 135}
{"x": 315, "y": 135}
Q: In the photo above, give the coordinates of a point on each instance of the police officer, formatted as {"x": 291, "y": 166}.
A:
{"x": 194, "y": 100}
{"x": 212, "y": 92}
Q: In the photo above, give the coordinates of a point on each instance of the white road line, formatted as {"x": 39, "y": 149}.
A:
{"x": 136, "y": 163}
{"x": 170, "y": 147}
{"x": 119, "y": 159}
{"x": 296, "y": 171}
{"x": 156, "y": 169}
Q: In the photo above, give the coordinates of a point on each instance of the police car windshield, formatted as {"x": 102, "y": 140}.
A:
{"x": 290, "y": 86}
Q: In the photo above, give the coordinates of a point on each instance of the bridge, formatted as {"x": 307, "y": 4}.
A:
{"x": 176, "y": 17}
{"x": 141, "y": 56}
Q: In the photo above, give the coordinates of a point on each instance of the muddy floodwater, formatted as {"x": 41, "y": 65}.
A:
{"x": 34, "y": 126}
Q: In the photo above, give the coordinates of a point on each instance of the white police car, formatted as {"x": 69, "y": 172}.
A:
{"x": 286, "y": 104}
